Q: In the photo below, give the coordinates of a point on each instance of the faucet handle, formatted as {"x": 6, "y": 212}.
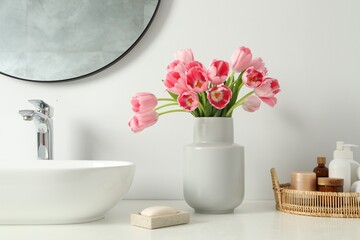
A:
{"x": 42, "y": 107}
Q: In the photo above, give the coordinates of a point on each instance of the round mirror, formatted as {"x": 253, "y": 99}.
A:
{"x": 51, "y": 40}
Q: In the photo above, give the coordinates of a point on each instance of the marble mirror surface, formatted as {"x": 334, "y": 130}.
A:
{"x": 55, "y": 40}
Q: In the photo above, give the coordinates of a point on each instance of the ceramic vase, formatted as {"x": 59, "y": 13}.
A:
{"x": 213, "y": 167}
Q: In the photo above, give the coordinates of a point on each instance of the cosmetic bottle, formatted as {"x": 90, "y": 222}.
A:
{"x": 330, "y": 184}
{"x": 303, "y": 181}
{"x": 355, "y": 187}
{"x": 321, "y": 170}
{"x": 354, "y": 165}
{"x": 340, "y": 167}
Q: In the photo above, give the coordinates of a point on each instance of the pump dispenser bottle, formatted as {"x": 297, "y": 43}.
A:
{"x": 340, "y": 167}
{"x": 349, "y": 156}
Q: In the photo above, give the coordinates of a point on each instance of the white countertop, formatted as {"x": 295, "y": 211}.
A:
{"x": 253, "y": 220}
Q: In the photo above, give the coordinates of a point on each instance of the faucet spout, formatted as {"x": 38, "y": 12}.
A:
{"x": 44, "y": 128}
{"x": 27, "y": 114}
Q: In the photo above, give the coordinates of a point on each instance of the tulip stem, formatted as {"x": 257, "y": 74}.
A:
{"x": 165, "y": 105}
{"x": 166, "y": 99}
{"x": 235, "y": 86}
{"x": 238, "y": 103}
{"x": 230, "y": 79}
{"x": 171, "y": 111}
{"x": 201, "y": 107}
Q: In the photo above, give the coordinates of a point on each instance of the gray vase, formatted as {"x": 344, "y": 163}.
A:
{"x": 213, "y": 167}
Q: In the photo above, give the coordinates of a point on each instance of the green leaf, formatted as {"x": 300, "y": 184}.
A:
{"x": 217, "y": 113}
{"x": 173, "y": 95}
{"x": 208, "y": 109}
{"x": 229, "y": 80}
{"x": 223, "y": 113}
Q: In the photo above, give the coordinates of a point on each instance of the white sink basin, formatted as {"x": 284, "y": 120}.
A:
{"x": 61, "y": 192}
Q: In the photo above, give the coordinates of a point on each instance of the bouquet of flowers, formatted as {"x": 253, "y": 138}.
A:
{"x": 207, "y": 92}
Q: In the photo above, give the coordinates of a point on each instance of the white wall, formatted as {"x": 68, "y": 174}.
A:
{"x": 312, "y": 47}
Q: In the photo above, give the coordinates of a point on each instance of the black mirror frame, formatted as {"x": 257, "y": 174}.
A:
{"x": 102, "y": 68}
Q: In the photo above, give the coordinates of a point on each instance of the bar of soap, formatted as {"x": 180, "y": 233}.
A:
{"x": 159, "y": 216}
{"x": 158, "y": 211}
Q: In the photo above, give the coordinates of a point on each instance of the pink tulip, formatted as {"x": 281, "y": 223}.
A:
{"x": 253, "y": 78}
{"x": 241, "y": 59}
{"x": 259, "y": 65}
{"x": 219, "y": 96}
{"x": 143, "y": 120}
{"x": 176, "y": 66}
{"x": 267, "y": 91}
{"x": 188, "y": 101}
{"x": 194, "y": 64}
{"x": 143, "y": 102}
{"x": 218, "y": 71}
{"x": 251, "y": 104}
{"x": 184, "y": 56}
{"x": 175, "y": 82}
{"x": 196, "y": 78}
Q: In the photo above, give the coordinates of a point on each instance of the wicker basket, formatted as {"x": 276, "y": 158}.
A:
{"x": 312, "y": 203}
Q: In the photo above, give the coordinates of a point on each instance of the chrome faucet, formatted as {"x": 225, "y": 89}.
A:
{"x": 42, "y": 118}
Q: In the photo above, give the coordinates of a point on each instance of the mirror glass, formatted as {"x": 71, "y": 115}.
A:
{"x": 52, "y": 40}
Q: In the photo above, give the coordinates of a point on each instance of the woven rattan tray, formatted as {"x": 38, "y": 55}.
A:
{"x": 313, "y": 203}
